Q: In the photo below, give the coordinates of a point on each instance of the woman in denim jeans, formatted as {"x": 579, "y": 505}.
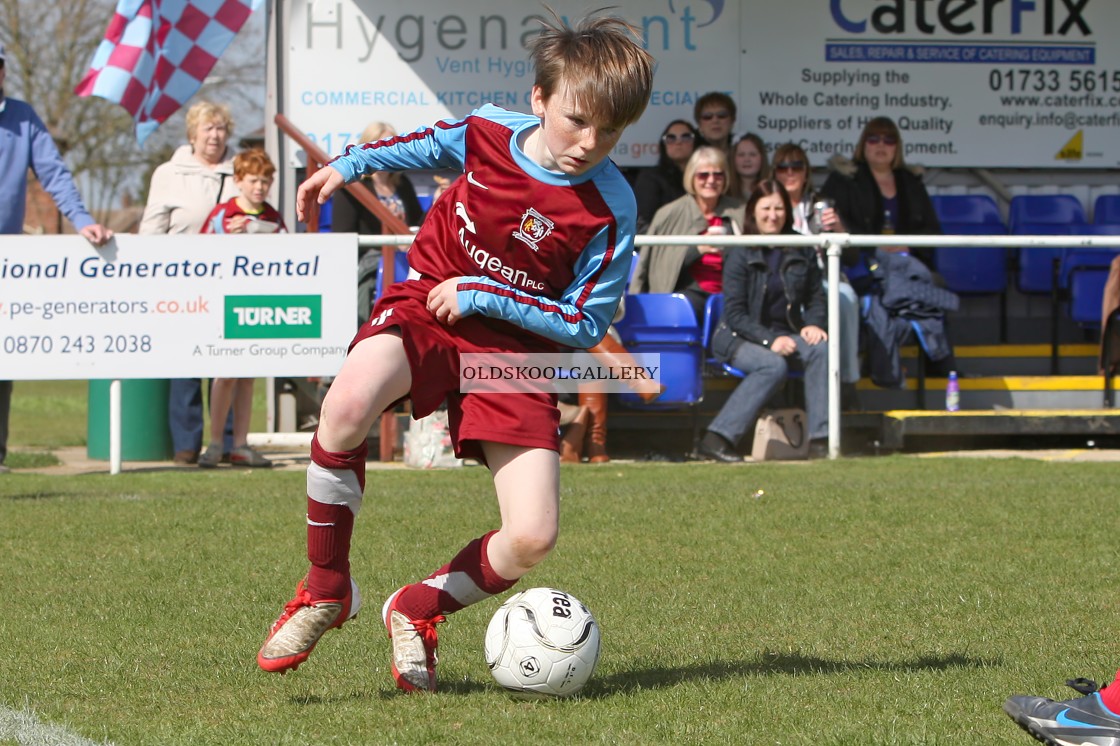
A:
{"x": 774, "y": 316}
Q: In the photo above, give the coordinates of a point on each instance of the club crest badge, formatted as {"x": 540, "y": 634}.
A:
{"x": 533, "y": 229}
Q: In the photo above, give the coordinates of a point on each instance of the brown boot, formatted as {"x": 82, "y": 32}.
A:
{"x": 571, "y": 444}
{"x": 597, "y": 429}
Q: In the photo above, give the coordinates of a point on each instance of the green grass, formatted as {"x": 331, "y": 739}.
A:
{"x": 885, "y": 601}
{"x": 48, "y": 415}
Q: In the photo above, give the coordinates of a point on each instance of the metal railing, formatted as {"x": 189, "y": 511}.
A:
{"x": 834, "y": 244}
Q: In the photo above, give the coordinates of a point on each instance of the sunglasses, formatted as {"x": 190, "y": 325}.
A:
{"x": 710, "y": 115}
{"x": 790, "y": 166}
{"x": 881, "y": 140}
{"x": 683, "y": 137}
{"x": 713, "y": 175}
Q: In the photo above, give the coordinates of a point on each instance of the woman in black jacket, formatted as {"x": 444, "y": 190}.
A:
{"x": 876, "y": 193}
{"x": 663, "y": 183}
{"x": 774, "y": 316}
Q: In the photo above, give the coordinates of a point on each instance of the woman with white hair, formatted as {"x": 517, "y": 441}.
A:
{"x": 182, "y": 193}
{"x": 708, "y": 208}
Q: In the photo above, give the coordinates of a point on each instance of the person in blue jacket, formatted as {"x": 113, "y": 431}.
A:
{"x": 26, "y": 144}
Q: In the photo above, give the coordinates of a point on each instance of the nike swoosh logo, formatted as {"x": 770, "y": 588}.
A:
{"x": 317, "y": 524}
{"x": 1063, "y": 718}
{"x": 476, "y": 182}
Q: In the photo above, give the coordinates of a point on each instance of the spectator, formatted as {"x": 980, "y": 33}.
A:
{"x": 715, "y": 118}
{"x": 876, "y": 193}
{"x": 248, "y": 213}
{"x": 707, "y": 208}
{"x": 774, "y": 316}
{"x": 1110, "y": 304}
{"x": 394, "y": 190}
{"x": 183, "y": 191}
{"x": 574, "y": 419}
{"x": 660, "y": 185}
{"x": 751, "y": 167}
{"x": 793, "y": 171}
{"x": 25, "y": 144}
{"x": 397, "y": 193}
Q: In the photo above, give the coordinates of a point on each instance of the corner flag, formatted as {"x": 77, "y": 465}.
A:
{"x": 156, "y": 53}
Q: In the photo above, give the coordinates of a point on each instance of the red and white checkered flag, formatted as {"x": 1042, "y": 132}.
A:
{"x": 156, "y": 53}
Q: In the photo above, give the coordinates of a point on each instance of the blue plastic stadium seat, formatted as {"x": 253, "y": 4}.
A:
{"x": 1084, "y": 256}
{"x": 1044, "y": 208}
{"x": 401, "y": 260}
{"x": 1036, "y": 265}
{"x": 973, "y": 270}
{"x": 1106, "y": 210}
{"x": 1086, "y": 291}
{"x": 665, "y": 324}
{"x": 973, "y": 209}
{"x": 713, "y": 310}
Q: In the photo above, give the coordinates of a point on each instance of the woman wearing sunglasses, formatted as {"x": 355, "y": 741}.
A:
{"x": 664, "y": 182}
{"x": 707, "y": 209}
{"x": 715, "y": 114}
{"x": 876, "y": 192}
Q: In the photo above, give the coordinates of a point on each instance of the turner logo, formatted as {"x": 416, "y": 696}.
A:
{"x": 963, "y": 17}
{"x": 273, "y": 317}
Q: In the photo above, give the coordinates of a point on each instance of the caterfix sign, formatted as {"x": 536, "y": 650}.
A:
{"x": 176, "y": 306}
{"x": 1015, "y": 83}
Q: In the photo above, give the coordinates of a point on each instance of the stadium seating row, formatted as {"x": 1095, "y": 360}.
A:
{"x": 1073, "y": 274}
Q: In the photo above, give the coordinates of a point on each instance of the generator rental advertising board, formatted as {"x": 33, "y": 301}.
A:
{"x": 176, "y": 306}
{"x": 992, "y": 83}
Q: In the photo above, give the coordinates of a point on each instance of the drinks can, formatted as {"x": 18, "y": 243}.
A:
{"x": 819, "y": 206}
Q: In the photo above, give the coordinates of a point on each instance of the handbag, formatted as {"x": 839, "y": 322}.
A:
{"x": 781, "y": 435}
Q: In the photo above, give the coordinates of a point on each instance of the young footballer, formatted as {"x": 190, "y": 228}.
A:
{"x": 527, "y": 252}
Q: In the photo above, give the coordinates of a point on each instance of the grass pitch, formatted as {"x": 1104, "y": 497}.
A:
{"x": 896, "y": 600}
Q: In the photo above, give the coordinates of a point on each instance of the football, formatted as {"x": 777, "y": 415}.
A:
{"x": 542, "y": 643}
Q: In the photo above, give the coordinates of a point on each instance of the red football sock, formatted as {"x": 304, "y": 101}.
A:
{"x": 329, "y": 528}
{"x": 334, "y": 495}
{"x": 463, "y": 581}
{"x": 1110, "y": 695}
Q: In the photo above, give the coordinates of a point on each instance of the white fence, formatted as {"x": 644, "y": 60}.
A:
{"x": 833, "y": 244}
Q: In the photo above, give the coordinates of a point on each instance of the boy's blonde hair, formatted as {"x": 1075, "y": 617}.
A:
{"x": 253, "y": 162}
{"x": 204, "y": 111}
{"x": 599, "y": 61}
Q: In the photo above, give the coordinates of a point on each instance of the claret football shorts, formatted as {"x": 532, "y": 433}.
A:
{"x": 433, "y": 349}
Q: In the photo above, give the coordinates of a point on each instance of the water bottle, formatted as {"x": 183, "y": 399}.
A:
{"x": 952, "y": 393}
{"x": 888, "y": 223}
